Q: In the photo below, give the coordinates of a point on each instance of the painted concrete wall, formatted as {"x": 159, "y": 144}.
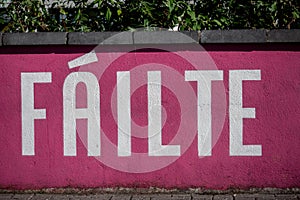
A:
{"x": 267, "y": 155}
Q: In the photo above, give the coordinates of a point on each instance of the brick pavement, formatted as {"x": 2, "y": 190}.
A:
{"x": 244, "y": 196}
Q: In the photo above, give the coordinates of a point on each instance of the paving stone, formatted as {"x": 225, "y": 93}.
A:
{"x": 5, "y": 196}
{"x": 60, "y": 197}
{"x": 244, "y": 196}
{"x": 285, "y": 196}
{"x": 181, "y": 197}
{"x": 149, "y": 197}
{"x": 121, "y": 197}
{"x": 202, "y": 197}
{"x": 42, "y": 197}
{"x": 162, "y": 37}
{"x": 233, "y": 36}
{"x": 80, "y": 197}
{"x": 23, "y": 196}
{"x": 40, "y": 38}
{"x": 161, "y": 197}
{"x": 223, "y": 197}
{"x": 96, "y": 38}
{"x": 284, "y": 35}
{"x": 99, "y": 197}
{"x": 265, "y": 197}
{"x": 141, "y": 197}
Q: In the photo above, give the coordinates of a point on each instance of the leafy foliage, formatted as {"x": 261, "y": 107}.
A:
{"x": 120, "y": 15}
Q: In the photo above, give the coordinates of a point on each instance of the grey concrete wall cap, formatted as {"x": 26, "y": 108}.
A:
{"x": 284, "y": 35}
{"x": 233, "y": 36}
{"x": 95, "y": 38}
{"x": 155, "y": 37}
{"x": 39, "y": 38}
{"x": 162, "y": 37}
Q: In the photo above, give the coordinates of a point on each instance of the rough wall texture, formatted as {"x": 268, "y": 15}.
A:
{"x": 275, "y": 125}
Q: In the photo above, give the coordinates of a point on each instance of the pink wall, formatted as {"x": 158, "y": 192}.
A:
{"x": 276, "y": 127}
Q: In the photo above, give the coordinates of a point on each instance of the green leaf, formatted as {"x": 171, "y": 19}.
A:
{"x": 108, "y": 14}
{"x": 119, "y": 12}
{"x": 217, "y": 22}
{"x": 62, "y": 11}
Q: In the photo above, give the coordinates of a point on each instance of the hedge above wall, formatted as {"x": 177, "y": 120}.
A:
{"x": 122, "y": 15}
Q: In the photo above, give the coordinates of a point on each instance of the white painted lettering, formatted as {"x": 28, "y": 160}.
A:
{"x": 29, "y": 114}
{"x": 124, "y": 115}
{"x": 237, "y": 113}
{"x": 204, "y": 79}
{"x": 156, "y": 148}
{"x": 71, "y": 113}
